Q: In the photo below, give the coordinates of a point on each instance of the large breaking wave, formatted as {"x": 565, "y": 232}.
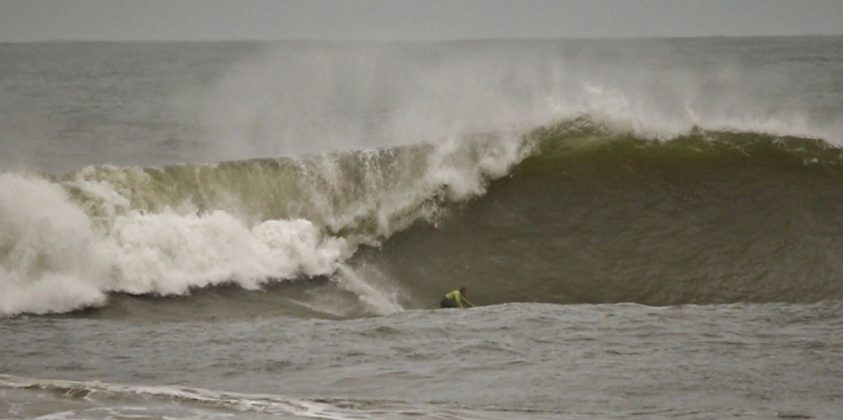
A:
{"x": 653, "y": 171}
{"x": 573, "y": 212}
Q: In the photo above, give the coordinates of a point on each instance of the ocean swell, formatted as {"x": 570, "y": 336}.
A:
{"x": 578, "y": 211}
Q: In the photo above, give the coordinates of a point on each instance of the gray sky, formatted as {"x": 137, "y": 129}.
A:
{"x": 36, "y": 20}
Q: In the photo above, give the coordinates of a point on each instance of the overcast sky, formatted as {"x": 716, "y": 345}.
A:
{"x": 36, "y": 20}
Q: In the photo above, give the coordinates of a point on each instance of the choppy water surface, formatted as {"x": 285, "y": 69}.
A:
{"x": 523, "y": 360}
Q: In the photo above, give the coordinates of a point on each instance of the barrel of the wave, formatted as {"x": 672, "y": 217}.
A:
{"x": 456, "y": 298}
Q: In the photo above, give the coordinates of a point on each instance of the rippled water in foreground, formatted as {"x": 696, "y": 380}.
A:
{"x": 514, "y": 360}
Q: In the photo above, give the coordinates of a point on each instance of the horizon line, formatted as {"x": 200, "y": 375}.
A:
{"x": 419, "y": 41}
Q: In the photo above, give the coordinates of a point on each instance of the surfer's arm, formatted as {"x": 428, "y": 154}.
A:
{"x": 467, "y": 303}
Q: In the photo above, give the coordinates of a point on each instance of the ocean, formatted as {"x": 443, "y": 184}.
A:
{"x": 649, "y": 228}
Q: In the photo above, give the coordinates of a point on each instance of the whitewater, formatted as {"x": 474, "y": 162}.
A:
{"x": 264, "y": 229}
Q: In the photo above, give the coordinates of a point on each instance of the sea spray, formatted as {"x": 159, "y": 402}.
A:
{"x": 51, "y": 260}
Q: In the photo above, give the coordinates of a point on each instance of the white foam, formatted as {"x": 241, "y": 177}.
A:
{"x": 126, "y": 400}
{"x": 50, "y": 258}
{"x": 170, "y": 253}
{"x": 54, "y": 259}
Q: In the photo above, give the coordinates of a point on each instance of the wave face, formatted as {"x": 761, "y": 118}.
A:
{"x": 595, "y": 216}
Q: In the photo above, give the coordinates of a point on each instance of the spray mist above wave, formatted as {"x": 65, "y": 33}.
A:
{"x": 226, "y": 102}
{"x": 292, "y": 99}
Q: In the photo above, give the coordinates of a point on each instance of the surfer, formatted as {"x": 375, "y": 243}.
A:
{"x": 456, "y": 299}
